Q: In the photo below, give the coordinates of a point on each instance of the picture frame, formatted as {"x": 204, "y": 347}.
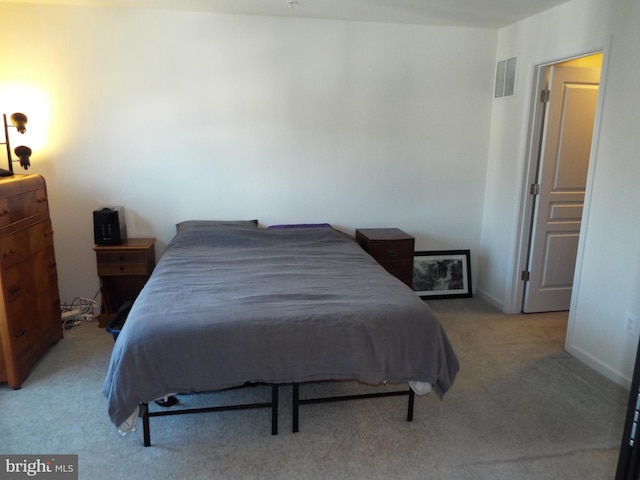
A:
{"x": 442, "y": 274}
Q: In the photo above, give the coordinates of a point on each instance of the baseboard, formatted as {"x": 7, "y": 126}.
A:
{"x": 489, "y": 299}
{"x": 600, "y": 367}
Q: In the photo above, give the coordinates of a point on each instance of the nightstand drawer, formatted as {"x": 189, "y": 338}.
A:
{"x": 121, "y": 263}
{"x": 402, "y": 269}
{"x": 391, "y": 251}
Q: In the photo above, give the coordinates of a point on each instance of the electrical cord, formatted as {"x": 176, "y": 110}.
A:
{"x": 81, "y": 309}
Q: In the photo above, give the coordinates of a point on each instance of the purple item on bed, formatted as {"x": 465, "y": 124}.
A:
{"x": 301, "y": 225}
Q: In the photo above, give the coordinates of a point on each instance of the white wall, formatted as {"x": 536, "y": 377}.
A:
{"x": 179, "y": 115}
{"x": 608, "y": 272}
{"x": 610, "y": 275}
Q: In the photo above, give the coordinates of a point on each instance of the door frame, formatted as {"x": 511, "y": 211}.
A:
{"x": 515, "y": 288}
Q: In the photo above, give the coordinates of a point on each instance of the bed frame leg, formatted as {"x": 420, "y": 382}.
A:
{"x": 295, "y": 407}
{"x": 274, "y": 409}
{"x": 146, "y": 431}
{"x": 412, "y": 396}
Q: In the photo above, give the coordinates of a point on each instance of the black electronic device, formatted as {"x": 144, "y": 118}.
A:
{"x": 109, "y": 226}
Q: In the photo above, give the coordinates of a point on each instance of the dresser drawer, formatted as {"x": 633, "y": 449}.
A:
{"x": 28, "y": 204}
{"x": 45, "y": 273}
{"x": 121, "y": 263}
{"x": 5, "y": 219}
{"x": 48, "y": 304}
{"x": 22, "y": 332}
{"x": 18, "y": 286}
{"x": 41, "y": 236}
{"x": 22, "y": 244}
{"x": 14, "y": 248}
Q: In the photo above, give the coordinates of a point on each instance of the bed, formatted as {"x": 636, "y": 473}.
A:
{"x": 230, "y": 304}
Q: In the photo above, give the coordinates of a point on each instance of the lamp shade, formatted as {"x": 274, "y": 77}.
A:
{"x": 19, "y": 120}
{"x": 23, "y": 154}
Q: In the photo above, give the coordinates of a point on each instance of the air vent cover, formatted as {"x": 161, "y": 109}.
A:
{"x": 505, "y": 78}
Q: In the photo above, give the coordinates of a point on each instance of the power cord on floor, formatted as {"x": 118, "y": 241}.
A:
{"x": 80, "y": 310}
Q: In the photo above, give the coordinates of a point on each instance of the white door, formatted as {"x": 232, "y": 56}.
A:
{"x": 561, "y": 184}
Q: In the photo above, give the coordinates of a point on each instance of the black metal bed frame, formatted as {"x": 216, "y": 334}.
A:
{"x": 273, "y": 404}
{"x": 146, "y": 414}
{"x": 297, "y": 401}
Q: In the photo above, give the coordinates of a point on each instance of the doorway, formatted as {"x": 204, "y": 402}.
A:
{"x": 563, "y": 120}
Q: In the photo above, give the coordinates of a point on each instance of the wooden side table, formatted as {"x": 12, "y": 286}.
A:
{"x": 123, "y": 270}
{"x": 392, "y": 248}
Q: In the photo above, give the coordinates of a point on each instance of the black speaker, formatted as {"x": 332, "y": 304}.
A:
{"x": 109, "y": 226}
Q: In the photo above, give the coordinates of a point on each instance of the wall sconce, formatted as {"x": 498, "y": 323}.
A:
{"x": 19, "y": 121}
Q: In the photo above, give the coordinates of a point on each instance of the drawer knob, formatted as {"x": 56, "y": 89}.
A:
{"x": 21, "y": 333}
{"x": 393, "y": 252}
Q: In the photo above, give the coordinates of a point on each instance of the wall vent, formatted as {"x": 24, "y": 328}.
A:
{"x": 505, "y": 78}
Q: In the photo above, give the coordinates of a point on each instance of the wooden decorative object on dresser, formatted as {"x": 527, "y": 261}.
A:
{"x": 123, "y": 270}
{"x": 30, "y": 319}
{"x": 392, "y": 248}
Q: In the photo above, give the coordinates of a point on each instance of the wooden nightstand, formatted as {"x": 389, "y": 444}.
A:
{"x": 123, "y": 270}
{"x": 392, "y": 248}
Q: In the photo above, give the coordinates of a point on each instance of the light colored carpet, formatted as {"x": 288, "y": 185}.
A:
{"x": 521, "y": 408}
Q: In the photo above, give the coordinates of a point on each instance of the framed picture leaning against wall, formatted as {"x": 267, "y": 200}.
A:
{"x": 442, "y": 274}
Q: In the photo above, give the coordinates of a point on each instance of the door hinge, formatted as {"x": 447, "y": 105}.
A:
{"x": 535, "y": 189}
{"x": 525, "y": 275}
{"x": 545, "y": 95}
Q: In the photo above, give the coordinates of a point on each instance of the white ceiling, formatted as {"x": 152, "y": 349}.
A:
{"x": 465, "y": 13}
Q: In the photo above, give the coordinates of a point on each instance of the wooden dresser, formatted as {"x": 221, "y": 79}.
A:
{"x": 392, "y": 248}
{"x": 29, "y": 302}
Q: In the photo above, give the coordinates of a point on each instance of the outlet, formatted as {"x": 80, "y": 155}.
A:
{"x": 630, "y": 323}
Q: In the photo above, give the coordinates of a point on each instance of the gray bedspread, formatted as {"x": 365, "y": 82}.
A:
{"x": 230, "y": 305}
